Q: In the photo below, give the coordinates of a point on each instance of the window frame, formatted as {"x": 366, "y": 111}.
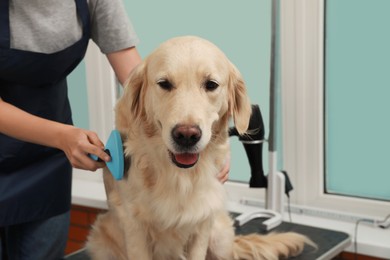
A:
{"x": 102, "y": 90}
{"x": 302, "y": 70}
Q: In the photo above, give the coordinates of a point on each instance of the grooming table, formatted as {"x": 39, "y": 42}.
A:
{"x": 330, "y": 243}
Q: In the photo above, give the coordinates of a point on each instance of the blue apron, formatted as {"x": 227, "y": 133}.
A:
{"x": 35, "y": 181}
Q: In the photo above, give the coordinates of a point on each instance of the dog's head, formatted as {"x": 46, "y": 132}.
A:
{"x": 185, "y": 92}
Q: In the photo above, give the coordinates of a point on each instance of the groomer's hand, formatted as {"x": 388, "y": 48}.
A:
{"x": 223, "y": 175}
{"x": 78, "y": 143}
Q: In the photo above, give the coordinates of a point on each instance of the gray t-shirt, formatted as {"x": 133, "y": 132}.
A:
{"x": 50, "y": 26}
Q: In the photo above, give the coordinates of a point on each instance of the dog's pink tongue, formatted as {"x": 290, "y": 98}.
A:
{"x": 186, "y": 158}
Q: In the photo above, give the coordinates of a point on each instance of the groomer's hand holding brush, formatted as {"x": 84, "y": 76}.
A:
{"x": 78, "y": 143}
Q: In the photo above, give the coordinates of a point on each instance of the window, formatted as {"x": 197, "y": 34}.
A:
{"x": 357, "y": 62}
{"x": 303, "y": 74}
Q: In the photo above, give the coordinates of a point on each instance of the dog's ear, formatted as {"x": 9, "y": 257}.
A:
{"x": 239, "y": 103}
{"x": 130, "y": 106}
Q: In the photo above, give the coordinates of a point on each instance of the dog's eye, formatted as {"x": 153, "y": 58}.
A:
{"x": 211, "y": 85}
{"x": 165, "y": 84}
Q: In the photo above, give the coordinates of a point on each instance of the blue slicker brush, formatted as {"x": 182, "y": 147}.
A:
{"x": 114, "y": 148}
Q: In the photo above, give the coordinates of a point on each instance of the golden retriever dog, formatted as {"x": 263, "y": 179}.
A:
{"x": 173, "y": 117}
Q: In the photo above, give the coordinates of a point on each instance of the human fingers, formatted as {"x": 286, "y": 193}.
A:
{"x": 77, "y": 145}
{"x": 94, "y": 139}
{"x": 85, "y": 162}
{"x": 97, "y": 147}
{"x": 223, "y": 175}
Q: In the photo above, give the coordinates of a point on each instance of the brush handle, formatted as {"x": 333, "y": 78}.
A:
{"x": 97, "y": 159}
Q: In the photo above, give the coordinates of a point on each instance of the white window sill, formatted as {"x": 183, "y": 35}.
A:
{"x": 89, "y": 193}
{"x": 371, "y": 241}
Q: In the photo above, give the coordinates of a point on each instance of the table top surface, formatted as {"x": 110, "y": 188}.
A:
{"x": 330, "y": 242}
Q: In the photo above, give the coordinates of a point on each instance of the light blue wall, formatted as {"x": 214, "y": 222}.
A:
{"x": 357, "y": 98}
{"x": 77, "y": 89}
{"x": 240, "y": 28}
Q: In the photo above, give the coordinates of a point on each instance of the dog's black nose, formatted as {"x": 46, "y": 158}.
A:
{"x": 186, "y": 135}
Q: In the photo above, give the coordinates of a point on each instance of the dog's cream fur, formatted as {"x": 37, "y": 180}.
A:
{"x": 160, "y": 211}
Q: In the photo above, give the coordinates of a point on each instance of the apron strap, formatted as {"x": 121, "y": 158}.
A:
{"x": 4, "y": 24}
{"x": 83, "y": 12}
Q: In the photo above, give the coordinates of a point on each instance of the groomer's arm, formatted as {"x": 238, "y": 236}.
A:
{"x": 75, "y": 142}
{"x": 123, "y": 62}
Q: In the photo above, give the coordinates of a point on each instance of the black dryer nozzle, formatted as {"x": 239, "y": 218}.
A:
{"x": 253, "y": 144}
{"x": 255, "y": 130}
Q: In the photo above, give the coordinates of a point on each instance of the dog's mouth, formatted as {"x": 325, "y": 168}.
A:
{"x": 184, "y": 160}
